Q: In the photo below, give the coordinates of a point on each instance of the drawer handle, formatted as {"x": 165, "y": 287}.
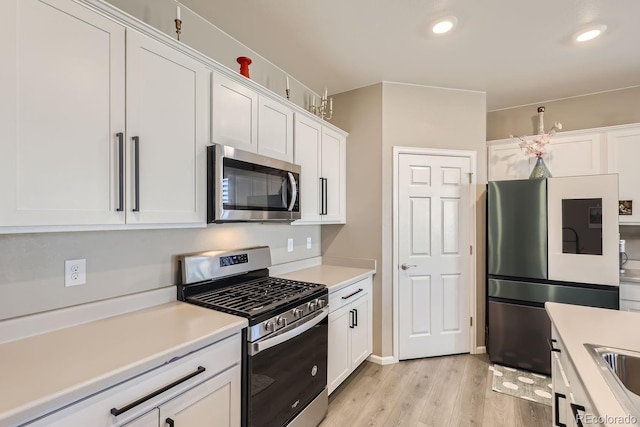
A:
{"x": 551, "y": 345}
{"x": 574, "y": 409}
{"x": 557, "y": 422}
{"x": 352, "y": 294}
{"x": 116, "y": 411}
{"x": 169, "y": 422}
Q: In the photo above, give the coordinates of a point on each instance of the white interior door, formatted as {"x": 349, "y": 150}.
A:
{"x": 433, "y": 255}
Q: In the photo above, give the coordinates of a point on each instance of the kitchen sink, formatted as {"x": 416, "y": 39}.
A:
{"x": 621, "y": 370}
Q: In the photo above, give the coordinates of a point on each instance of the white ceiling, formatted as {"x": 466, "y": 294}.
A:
{"x": 518, "y": 52}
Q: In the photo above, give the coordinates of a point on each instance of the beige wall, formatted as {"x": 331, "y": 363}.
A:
{"x": 583, "y": 112}
{"x": 379, "y": 117}
{"x": 123, "y": 262}
{"x": 360, "y": 113}
{"x": 209, "y": 40}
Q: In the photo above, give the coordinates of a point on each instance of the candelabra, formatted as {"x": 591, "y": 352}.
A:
{"x": 325, "y": 109}
{"x": 178, "y": 22}
{"x": 178, "y": 27}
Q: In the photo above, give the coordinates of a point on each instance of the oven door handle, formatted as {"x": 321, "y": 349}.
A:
{"x": 296, "y": 329}
{"x": 294, "y": 189}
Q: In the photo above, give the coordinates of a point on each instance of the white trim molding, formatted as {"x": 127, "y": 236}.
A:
{"x": 481, "y": 350}
{"x": 382, "y": 360}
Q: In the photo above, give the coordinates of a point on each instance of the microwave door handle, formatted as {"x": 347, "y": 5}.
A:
{"x": 294, "y": 191}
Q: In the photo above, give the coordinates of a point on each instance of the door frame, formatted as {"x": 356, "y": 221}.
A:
{"x": 471, "y": 264}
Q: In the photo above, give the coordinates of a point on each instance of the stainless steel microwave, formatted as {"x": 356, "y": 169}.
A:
{"x": 243, "y": 186}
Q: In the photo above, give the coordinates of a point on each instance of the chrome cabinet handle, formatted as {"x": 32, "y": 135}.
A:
{"x": 407, "y": 266}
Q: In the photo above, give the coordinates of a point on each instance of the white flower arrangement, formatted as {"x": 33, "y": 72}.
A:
{"x": 540, "y": 145}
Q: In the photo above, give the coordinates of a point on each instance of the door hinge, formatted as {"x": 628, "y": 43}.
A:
{"x": 470, "y": 321}
{"x": 470, "y": 250}
{"x": 470, "y": 176}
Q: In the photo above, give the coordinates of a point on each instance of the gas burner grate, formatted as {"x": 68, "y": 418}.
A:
{"x": 256, "y": 296}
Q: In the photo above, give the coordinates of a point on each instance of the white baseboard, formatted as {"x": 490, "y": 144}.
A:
{"x": 481, "y": 350}
{"x": 379, "y": 360}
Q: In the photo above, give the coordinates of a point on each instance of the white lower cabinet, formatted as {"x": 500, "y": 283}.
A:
{"x": 571, "y": 404}
{"x": 201, "y": 388}
{"x": 629, "y": 296}
{"x": 350, "y": 331}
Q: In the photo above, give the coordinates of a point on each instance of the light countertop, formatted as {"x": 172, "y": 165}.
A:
{"x": 335, "y": 277}
{"x": 578, "y": 325}
{"x": 630, "y": 275}
{"x": 58, "y": 367}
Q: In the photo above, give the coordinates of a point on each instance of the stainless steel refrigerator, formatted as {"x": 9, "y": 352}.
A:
{"x": 532, "y": 232}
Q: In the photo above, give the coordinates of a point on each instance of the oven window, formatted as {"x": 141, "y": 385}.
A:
{"x": 582, "y": 226}
{"x": 247, "y": 186}
{"x": 285, "y": 378}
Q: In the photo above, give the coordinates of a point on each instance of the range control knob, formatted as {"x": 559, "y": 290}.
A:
{"x": 281, "y": 321}
{"x": 312, "y": 306}
{"x": 321, "y": 303}
{"x": 270, "y": 326}
{"x": 297, "y": 313}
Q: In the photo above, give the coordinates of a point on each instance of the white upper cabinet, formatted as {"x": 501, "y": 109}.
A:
{"x": 234, "y": 114}
{"x": 243, "y": 119}
{"x": 574, "y": 154}
{"x": 321, "y": 153}
{"x": 507, "y": 161}
{"x": 275, "y": 129}
{"x": 67, "y": 158}
{"x": 167, "y": 130}
{"x": 62, "y": 81}
{"x": 334, "y": 172}
{"x": 623, "y": 154}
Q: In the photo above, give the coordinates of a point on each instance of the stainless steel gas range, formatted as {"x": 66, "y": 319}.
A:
{"x": 285, "y": 352}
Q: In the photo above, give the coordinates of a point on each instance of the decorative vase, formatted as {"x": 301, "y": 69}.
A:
{"x": 244, "y": 65}
{"x": 540, "y": 170}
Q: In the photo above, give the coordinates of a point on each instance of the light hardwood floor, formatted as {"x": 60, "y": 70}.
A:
{"x": 434, "y": 392}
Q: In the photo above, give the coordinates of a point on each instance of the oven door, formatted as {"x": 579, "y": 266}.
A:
{"x": 287, "y": 371}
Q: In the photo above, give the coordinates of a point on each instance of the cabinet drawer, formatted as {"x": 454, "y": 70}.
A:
{"x": 349, "y": 293}
{"x": 96, "y": 409}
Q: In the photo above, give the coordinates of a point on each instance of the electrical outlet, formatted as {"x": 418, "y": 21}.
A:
{"x": 75, "y": 272}
{"x": 308, "y": 242}
{"x": 289, "y": 245}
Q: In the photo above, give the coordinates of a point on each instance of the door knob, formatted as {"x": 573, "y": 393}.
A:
{"x": 407, "y": 266}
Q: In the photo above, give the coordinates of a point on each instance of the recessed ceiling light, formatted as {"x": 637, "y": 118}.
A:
{"x": 444, "y": 25}
{"x": 590, "y": 33}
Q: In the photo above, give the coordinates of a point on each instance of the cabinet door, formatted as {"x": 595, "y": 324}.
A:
{"x": 575, "y": 155}
{"x": 361, "y": 334}
{"x": 507, "y": 161}
{"x": 234, "y": 114}
{"x": 333, "y": 161}
{"x": 275, "y": 129}
{"x": 61, "y": 108}
{"x": 308, "y": 134}
{"x": 216, "y": 402}
{"x": 339, "y": 357}
{"x": 623, "y": 153}
{"x": 167, "y": 133}
{"x": 150, "y": 419}
{"x": 561, "y": 398}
